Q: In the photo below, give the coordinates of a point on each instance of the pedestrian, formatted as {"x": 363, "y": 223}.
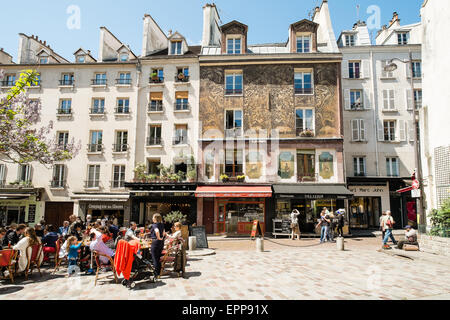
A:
{"x": 157, "y": 234}
{"x": 324, "y": 223}
{"x": 294, "y": 224}
{"x": 72, "y": 249}
{"x": 332, "y": 227}
{"x": 383, "y": 233}
{"x": 341, "y": 222}
{"x": 410, "y": 238}
{"x": 388, "y": 226}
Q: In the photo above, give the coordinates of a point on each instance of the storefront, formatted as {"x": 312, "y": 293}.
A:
{"x": 21, "y": 206}
{"x": 309, "y": 200}
{"x": 231, "y": 210}
{"x": 163, "y": 198}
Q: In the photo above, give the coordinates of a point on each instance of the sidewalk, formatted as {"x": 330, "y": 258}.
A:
{"x": 419, "y": 256}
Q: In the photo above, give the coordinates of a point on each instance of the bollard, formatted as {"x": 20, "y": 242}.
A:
{"x": 192, "y": 243}
{"x": 259, "y": 245}
{"x": 340, "y": 243}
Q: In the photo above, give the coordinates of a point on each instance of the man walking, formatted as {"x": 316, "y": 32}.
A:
{"x": 388, "y": 226}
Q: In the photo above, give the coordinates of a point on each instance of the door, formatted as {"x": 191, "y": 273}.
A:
{"x": 58, "y": 212}
{"x": 208, "y": 216}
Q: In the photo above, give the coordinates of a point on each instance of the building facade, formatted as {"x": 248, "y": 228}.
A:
{"x": 378, "y": 120}
{"x": 271, "y": 135}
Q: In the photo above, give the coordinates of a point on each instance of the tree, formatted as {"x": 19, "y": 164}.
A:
{"x": 23, "y": 139}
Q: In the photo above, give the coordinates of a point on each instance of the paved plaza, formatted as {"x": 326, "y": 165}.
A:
{"x": 287, "y": 270}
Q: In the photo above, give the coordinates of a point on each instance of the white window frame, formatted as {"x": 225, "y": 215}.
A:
{"x": 65, "y": 138}
{"x": 402, "y": 41}
{"x": 357, "y": 172}
{"x": 234, "y": 74}
{"x": 96, "y": 176}
{"x": 233, "y": 49}
{"x": 301, "y": 38}
{"x": 119, "y": 140}
{"x": 389, "y": 100}
{"x": 153, "y": 128}
{"x": 27, "y": 177}
{"x": 390, "y": 166}
{"x": 81, "y": 58}
{"x": 234, "y": 132}
{"x": 185, "y": 136}
{"x": 386, "y": 74}
{"x": 389, "y": 130}
{"x": 300, "y": 74}
{"x": 59, "y": 175}
{"x": 352, "y": 65}
{"x": 347, "y": 38}
{"x": 416, "y": 65}
{"x": 178, "y": 49}
{"x": 358, "y": 129}
{"x": 2, "y": 174}
{"x": 124, "y": 54}
{"x": 361, "y": 99}
{"x": 305, "y": 121}
{"x": 417, "y": 101}
{"x": 120, "y": 183}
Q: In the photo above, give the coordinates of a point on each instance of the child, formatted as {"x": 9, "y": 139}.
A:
{"x": 72, "y": 248}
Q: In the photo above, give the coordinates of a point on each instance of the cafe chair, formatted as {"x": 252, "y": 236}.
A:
{"x": 33, "y": 257}
{"x": 100, "y": 265}
{"x": 8, "y": 260}
{"x": 173, "y": 259}
{"x": 59, "y": 260}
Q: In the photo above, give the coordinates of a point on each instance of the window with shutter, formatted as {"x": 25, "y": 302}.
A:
{"x": 411, "y": 131}
{"x": 347, "y": 99}
{"x": 409, "y": 104}
{"x": 355, "y": 129}
{"x": 362, "y": 130}
{"x": 380, "y": 130}
{"x": 402, "y": 130}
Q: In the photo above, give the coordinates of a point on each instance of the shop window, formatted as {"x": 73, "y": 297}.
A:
{"x": 9, "y": 215}
{"x": 306, "y": 165}
{"x": 286, "y": 165}
{"x": 254, "y": 165}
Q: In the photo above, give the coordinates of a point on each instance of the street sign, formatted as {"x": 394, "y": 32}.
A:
{"x": 416, "y": 184}
{"x": 415, "y": 193}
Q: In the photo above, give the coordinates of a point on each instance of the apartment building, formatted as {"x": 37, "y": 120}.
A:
{"x": 271, "y": 136}
{"x": 378, "y": 120}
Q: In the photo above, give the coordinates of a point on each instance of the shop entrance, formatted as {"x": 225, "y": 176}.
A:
{"x": 365, "y": 212}
{"x": 58, "y": 212}
{"x": 99, "y": 214}
{"x": 235, "y": 216}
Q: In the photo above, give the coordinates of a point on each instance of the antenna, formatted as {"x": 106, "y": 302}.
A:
{"x": 357, "y": 12}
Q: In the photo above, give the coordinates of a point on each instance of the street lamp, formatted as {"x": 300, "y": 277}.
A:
{"x": 390, "y": 67}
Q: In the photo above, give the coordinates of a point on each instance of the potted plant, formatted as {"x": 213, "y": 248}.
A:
{"x": 224, "y": 178}
{"x": 139, "y": 172}
{"x": 307, "y": 133}
{"x": 191, "y": 175}
{"x": 181, "y": 76}
{"x": 240, "y": 178}
{"x": 154, "y": 76}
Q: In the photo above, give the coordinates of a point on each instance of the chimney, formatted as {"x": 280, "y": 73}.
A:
{"x": 211, "y": 31}
{"x": 394, "y": 19}
{"x": 170, "y": 33}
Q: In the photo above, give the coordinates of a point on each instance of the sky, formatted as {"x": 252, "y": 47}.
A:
{"x": 70, "y": 24}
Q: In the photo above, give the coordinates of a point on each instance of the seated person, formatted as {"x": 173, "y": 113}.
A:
{"x": 14, "y": 237}
{"x": 98, "y": 245}
{"x": 175, "y": 238}
{"x": 114, "y": 230}
{"x": 62, "y": 251}
{"x": 49, "y": 241}
{"x": 39, "y": 230}
{"x": 130, "y": 234}
{"x": 64, "y": 229}
{"x": 410, "y": 238}
{"x": 2, "y": 236}
{"x": 76, "y": 231}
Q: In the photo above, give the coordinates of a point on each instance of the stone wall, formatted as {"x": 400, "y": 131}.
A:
{"x": 435, "y": 245}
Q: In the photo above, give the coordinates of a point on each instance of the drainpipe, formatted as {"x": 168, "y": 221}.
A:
{"x": 375, "y": 110}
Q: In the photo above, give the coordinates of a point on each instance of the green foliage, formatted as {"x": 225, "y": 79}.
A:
{"x": 224, "y": 178}
{"x": 139, "y": 171}
{"x": 440, "y": 220}
{"x": 175, "y": 216}
{"x": 241, "y": 178}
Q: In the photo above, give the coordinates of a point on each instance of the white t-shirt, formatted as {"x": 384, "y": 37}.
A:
{"x": 294, "y": 217}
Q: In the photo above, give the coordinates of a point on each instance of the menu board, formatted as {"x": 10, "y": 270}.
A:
{"x": 200, "y": 234}
{"x": 286, "y": 226}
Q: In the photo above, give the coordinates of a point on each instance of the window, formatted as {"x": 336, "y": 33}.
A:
{"x": 304, "y": 122}
{"x": 2, "y": 174}
{"x": 153, "y": 166}
{"x": 233, "y": 162}
{"x": 354, "y": 69}
{"x": 58, "y": 177}
{"x": 156, "y": 102}
{"x": 38, "y": 81}
{"x": 418, "y": 98}
{"x": 118, "y": 177}
{"x": 356, "y": 100}
{"x": 303, "y": 83}
{"x": 98, "y": 106}
{"x": 96, "y": 141}
{"x": 389, "y": 130}
{"x": 9, "y": 80}
{"x": 306, "y": 163}
{"x": 65, "y": 106}
{"x": 181, "y": 134}
{"x": 157, "y": 76}
{"x": 417, "y": 70}
{"x": 388, "y": 100}
{"x": 304, "y": 44}
{"x": 358, "y": 128}
{"x": 154, "y": 136}
{"x": 349, "y": 40}
{"x": 81, "y": 59}
{"x": 233, "y": 83}
{"x": 43, "y": 60}
{"x": 24, "y": 173}
{"x": 402, "y": 38}
{"x": 386, "y": 74}
{"x": 124, "y": 78}
{"x": 392, "y": 168}
{"x": 175, "y": 47}
{"x": 233, "y": 123}
{"x": 100, "y": 79}
{"x": 234, "y": 45}
{"x": 182, "y": 75}
{"x": 123, "y": 106}
{"x": 123, "y": 57}
{"x": 359, "y": 166}
{"x": 93, "y": 176}
{"x": 67, "y": 79}
{"x": 63, "y": 139}
{"x": 121, "y": 141}
{"x": 182, "y": 101}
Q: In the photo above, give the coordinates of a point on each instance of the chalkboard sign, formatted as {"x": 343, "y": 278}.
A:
{"x": 200, "y": 234}
{"x": 286, "y": 226}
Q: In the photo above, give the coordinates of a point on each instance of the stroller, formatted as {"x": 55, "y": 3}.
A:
{"x": 141, "y": 269}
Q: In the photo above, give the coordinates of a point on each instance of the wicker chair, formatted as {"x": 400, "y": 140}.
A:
{"x": 33, "y": 259}
{"x": 100, "y": 265}
{"x": 8, "y": 260}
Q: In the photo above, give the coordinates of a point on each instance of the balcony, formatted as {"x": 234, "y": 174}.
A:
{"x": 64, "y": 112}
{"x": 122, "y": 111}
{"x": 7, "y": 83}
{"x": 95, "y": 148}
{"x": 357, "y": 106}
{"x": 181, "y": 107}
{"x": 154, "y": 142}
{"x": 155, "y": 107}
{"x": 117, "y": 184}
{"x": 303, "y": 91}
{"x": 92, "y": 184}
{"x": 97, "y": 111}
{"x": 66, "y": 83}
{"x": 99, "y": 82}
{"x": 35, "y": 85}
{"x": 311, "y": 177}
{"x": 181, "y": 78}
{"x": 156, "y": 80}
{"x": 233, "y": 133}
{"x": 233, "y": 92}
{"x": 123, "y": 82}
{"x": 177, "y": 141}
{"x": 58, "y": 184}
{"x": 120, "y": 148}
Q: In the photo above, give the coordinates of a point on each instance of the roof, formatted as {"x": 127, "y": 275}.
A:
{"x": 193, "y": 51}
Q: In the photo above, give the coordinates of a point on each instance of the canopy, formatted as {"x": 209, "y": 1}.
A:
{"x": 313, "y": 191}
{"x": 233, "y": 192}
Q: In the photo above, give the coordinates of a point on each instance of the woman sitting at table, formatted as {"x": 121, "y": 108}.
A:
{"x": 175, "y": 238}
{"x": 98, "y": 245}
{"x": 157, "y": 233}
{"x": 30, "y": 239}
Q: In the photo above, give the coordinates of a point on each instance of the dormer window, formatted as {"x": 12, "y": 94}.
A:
{"x": 81, "y": 59}
{"x": 234, "y": 45}
{"x": 176, "y": 47}
{"x": 349, "y": 40}
{"x": 402, "y": 38}
{"x": 43, "y": 60}
{"x": 123, "y": 57}
{"x": 304, "y": 43}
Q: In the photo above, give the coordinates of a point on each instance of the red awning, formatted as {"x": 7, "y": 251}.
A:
{"x": 233, "y": 192}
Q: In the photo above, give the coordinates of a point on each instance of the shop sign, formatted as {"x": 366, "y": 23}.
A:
{"x": 106, "y": 206}
{"x": 314, "y": 196}
{"x": 367, "y": 190}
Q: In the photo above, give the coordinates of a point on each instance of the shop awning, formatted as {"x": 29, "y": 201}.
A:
{"x": 101, "y": 197}
{"x": 312, "y": 191}
{"x": 233, "y": 192}
{"x": 16, "y": 196}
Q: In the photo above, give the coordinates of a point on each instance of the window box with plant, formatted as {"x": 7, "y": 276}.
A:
{"x": 307, "y": 133}
{"x": 240, "y": 178}
{"x": 224, "y": 178}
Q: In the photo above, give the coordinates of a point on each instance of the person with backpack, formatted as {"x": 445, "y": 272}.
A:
{"x": 388, "y": 226}
{"x": 340, "y": 223}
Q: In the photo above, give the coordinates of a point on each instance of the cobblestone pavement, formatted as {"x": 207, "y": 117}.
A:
{"x": 288, "y": 270}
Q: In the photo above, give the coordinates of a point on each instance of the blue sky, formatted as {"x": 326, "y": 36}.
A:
{"x": 268, "y": 21}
